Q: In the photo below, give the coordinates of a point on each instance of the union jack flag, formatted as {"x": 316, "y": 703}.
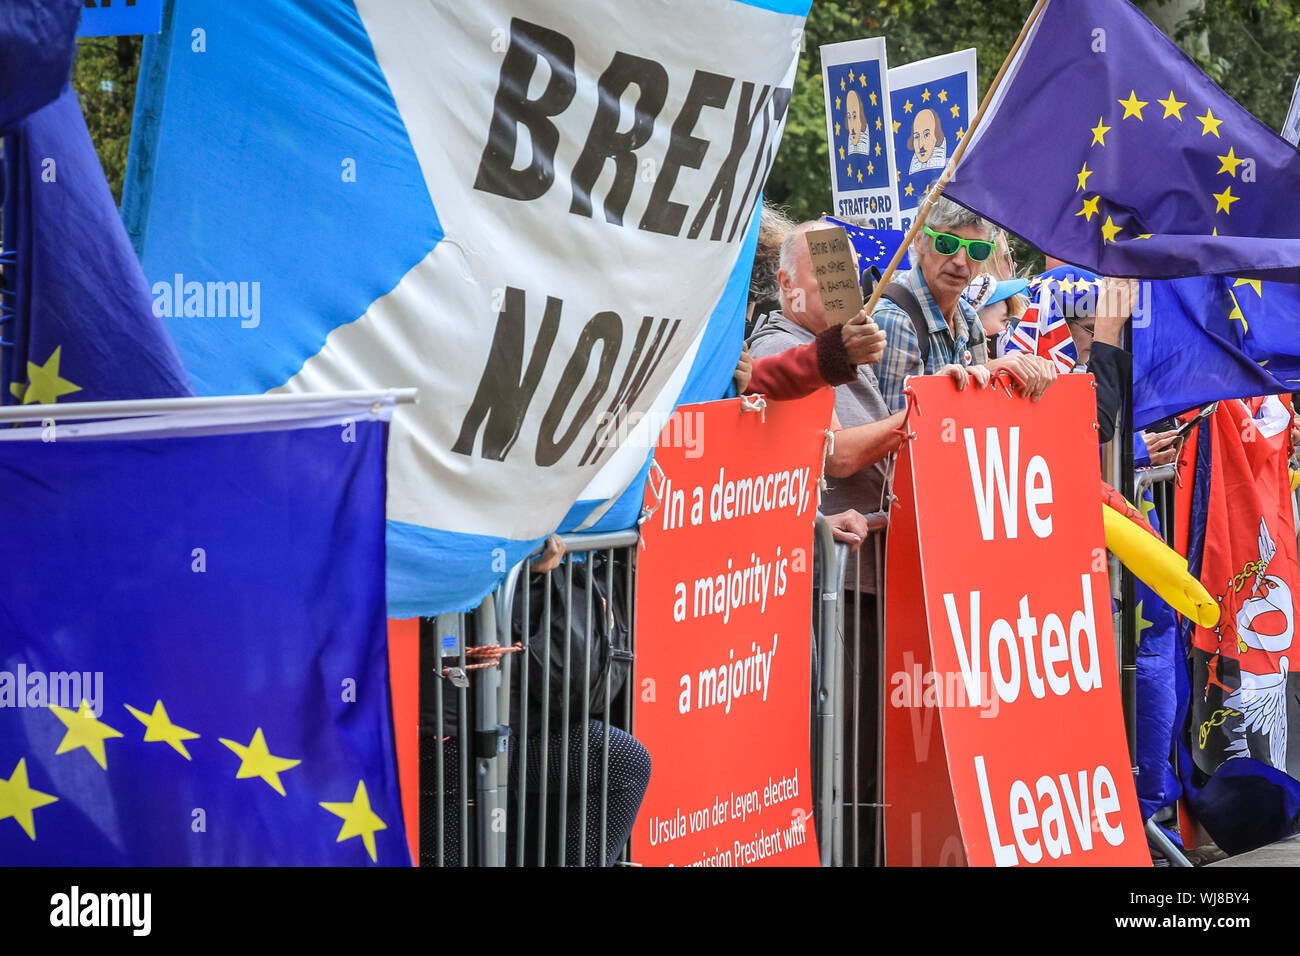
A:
{"x": 1042, "y": 329}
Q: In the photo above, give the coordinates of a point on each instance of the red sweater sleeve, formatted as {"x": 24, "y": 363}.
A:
{"x": 802, "y": 369}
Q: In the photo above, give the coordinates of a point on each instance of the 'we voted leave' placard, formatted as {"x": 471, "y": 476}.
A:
{"x": 1004, "y": 734}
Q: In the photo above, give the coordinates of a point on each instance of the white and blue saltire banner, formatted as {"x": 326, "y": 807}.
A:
{"x": 541, "y": 215}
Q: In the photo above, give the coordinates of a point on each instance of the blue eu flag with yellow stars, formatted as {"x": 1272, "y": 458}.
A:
{"x": 1107, "y": 147}
{"x": 193, "y": 668}
{"x": 1207, "y": 338}
{"x": 858, "y": 124}
{"x": 930, "y": 119}
{"x": 80, "y": 324}
{"x": 874, "y": 247}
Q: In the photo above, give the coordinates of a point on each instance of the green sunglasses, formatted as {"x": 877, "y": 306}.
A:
{"x": 947, "y": 245}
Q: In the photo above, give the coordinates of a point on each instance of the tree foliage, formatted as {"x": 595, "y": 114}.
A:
{"x": 104, "y": 76}
{"x": 1254, "y": 54}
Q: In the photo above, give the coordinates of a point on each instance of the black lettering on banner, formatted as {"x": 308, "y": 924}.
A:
{"x": 634, "y": 380}
{"x": 684, "y": 151}
{"x": 505, "y": 390}
{"x": 745, "y": 212}
{"x": 724, "y": 183}
{"x": 605, "y": 142}
{"x": 606, "y": 328}
{"x": 512, "y": 108}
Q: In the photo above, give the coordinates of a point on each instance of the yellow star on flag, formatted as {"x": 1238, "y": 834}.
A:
{"x": 897, "y": 124}
{"x": 1172, "y": 107}
{"x": 943, "y": 96}
{"x": 837, "y": 102}
{"x": 1065, "y": 285}
{"x": 1132, "y": 106}
{"x": 1253, "y": 283}
{"x": 850, "y": 74}
{"x": 18, "y": 799}
{"x": 878, "y": 122}
{"x": 877, "y": 149}
{"x": 1142, "y": 622}
{"x": 1099, "y": 132}
{"x": 1236, "y": 315}
{"x": 841, "y": 86}
{"x": 1089, "y": 208}
{"x": 925, "y": 96}
{"x": 909, "y": 190}
{"x": 898, "y": 175}
{"x": 1145, "y": 235}
{"x": 1223, "y": 201}
{"x": 859, "y": 175}
{"x": 1228, "y": 164}
{"x": 961, "y": 131}
{"x": 907, "y": 107}
{"x": 862, "y": 79}
{"x": 159, "y": 727}
{"x": 837, "y": 129}
{"x": 871, "y": 168}
{"x": 956, "y": 110}
{"x": 257, "y": 761}
{"x": 358, "y": 819}
{"x": 1209, "y": 124}
{"x": 848, "y": 170}
{"x": 1083, "y": 175}
{"x": 1109, "y": 230}
{"x": 44, "y": 384}
{"x": 841, "y": 152}
{"x": 84, "y": 730}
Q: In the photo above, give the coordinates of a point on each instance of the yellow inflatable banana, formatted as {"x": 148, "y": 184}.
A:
{"x": 1162, "y": 568}
{"x": 1295, "y": 479}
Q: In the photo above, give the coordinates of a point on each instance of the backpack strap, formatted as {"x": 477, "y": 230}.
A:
{"x": 902, "y": 297}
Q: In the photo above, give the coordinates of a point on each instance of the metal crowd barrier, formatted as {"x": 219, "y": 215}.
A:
{"x": 521, "y": 808}
{"x": 1160, "y": 480}
{"x": 842, "y": 722}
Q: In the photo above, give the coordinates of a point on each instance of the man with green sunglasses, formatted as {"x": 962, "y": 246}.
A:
{"x": 951, "y": 249}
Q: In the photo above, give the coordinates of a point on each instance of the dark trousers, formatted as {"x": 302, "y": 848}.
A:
{"x": 629, "y": 776}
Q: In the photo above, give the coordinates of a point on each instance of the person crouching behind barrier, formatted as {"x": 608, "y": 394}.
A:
{"x": 629, "y": 762}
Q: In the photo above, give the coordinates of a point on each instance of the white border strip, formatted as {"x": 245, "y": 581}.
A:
{"x": 159, "y": 406}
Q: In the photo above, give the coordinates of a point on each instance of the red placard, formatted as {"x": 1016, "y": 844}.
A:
{"x": 1002, "y": 523}
{"x": 723, "y": 605}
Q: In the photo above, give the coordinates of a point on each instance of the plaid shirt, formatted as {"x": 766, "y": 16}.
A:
{"x": 902, "y": 351}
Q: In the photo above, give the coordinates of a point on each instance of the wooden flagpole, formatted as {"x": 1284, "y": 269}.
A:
{"x": 937, "y": 189}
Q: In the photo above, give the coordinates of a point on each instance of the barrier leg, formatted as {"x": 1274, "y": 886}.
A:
{"x": 827, "y": 638}
{"x": 490, "y": 741}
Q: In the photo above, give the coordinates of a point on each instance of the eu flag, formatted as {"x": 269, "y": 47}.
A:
{"x": 38, "y": 39}
{"x": 1208, "y": 338}
{"x": 83, "y": 326}
{"x": 874, "y": 247}
{"x": 1108, "y": 148}
{"x": 193, "y": 667}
